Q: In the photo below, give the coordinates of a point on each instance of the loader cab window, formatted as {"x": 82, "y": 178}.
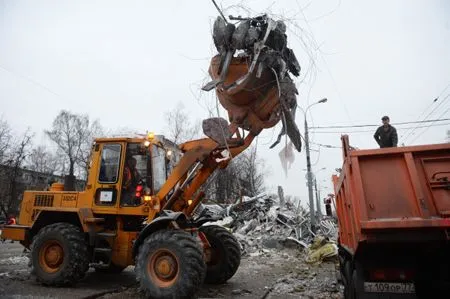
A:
{"x": 159, "y": 168}
{"x": 136, "y": 172}
{"x": 109, "y": 166}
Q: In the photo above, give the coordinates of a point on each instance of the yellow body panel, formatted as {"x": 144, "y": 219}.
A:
{"x": 122, "y": 248}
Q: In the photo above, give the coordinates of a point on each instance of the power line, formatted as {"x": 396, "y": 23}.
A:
{"x": 423, "y": 112}
{"x": 30, "y": 81}
{"x": 428, "y": 115}
{"x": 365, "y": 131}
{"x": 418, "y": 135}
{"x": 399, "y": 123}
{"x": 426, "y": 109}
{"x": 326, "y": 145}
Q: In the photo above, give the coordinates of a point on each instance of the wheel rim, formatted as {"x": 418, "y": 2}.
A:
{"x": 163, "y": 268}
{"x": 51, "y": 256}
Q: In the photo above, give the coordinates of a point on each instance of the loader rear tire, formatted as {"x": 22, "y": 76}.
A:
{"x": 170, "y": 264}
{"x": 59, "y": 255}
{"x": 225, "y": 254}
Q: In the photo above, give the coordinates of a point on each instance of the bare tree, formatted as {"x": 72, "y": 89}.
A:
{"x": 73, "y": 133}
{"x": 251, "y": 172}
{"x": 94, "y": 131}
{"x": 243, "y": 176}
{"x": 223, "y": 186}
{"x": 11, "y": 171}
{"x": 5, "y": 139}
{"x": 179, "y": 127}
{"x": 42, "y": 160}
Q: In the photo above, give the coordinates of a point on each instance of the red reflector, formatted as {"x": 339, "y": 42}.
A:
{"x": 378, "y": 275}
{"x": 138, "y": 194}
{"x": 391, "y": 274}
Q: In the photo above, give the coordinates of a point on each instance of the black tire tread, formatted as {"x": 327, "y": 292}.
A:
{"x": 78, "y": 263}
{"x": 191, "y": 260}
{"x": 232, "y": 258}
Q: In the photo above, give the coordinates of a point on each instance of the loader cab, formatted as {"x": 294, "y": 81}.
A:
{"x": 127, "y": 171}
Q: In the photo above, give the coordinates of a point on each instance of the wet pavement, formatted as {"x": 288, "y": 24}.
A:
{"x": 267, "y": 273}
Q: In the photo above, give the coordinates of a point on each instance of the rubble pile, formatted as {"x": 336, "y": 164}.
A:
{"x": 260, "y": 223}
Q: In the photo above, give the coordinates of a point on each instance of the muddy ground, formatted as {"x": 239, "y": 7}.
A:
{"x": 268, "y": 273}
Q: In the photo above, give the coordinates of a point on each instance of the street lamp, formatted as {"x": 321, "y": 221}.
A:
{"x": 308, "y": 167}
{"x": 319, "y": 211}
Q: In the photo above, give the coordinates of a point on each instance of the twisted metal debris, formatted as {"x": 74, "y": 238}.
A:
{"x": 260, "y": 222}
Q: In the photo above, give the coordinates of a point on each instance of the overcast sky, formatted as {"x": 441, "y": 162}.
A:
{"x": 127, "y": 62}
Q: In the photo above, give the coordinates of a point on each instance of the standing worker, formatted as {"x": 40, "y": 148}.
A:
{"x": 386, "y": 135}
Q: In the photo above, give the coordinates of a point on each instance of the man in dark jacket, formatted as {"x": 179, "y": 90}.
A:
{"x": 386, "y": 135}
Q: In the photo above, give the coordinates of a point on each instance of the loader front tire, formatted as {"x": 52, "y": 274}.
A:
{"x": 170, "y": 264}
{"x": 225, "y": 254}
{"x": 59, "y": 255}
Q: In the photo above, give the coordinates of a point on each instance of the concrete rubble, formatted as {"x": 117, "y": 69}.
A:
{"x": 275, "y": 232}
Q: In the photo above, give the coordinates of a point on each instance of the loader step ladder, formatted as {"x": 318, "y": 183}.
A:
{"x": 102, "y": 254}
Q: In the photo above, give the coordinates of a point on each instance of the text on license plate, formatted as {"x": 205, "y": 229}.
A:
{"x": 389, "y": 287}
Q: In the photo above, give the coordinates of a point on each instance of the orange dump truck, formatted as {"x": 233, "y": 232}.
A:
{"x": 393, "y": 207}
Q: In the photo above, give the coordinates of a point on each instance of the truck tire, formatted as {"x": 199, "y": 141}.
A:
{"x": 342, "y": 273}
{"x": 225, "y": 254}
{"x": 59, "y": 255}
{"x": 170, "y": 264}
{"x": 349, "y": 286}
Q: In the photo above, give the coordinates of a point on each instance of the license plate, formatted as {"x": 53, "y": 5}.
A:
{"x": 389, "y": 287}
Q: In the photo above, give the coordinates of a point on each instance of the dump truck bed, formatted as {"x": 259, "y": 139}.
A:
{"x": 402, "y": 190}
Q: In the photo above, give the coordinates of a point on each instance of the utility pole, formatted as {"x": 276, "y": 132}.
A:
{"x": 308, "y": 169}
{"x": 312, "y": 215}
{"x": 319, "y": 210}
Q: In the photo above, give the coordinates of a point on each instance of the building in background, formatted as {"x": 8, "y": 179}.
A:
{"x": 13, "y": 182}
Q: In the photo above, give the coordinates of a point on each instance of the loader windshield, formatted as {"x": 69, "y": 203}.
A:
{"x": 143, "y": 166}
{"x": 141, "y": 163}
{"x": 136, "y": 172}
{"x": 159, "y": 168}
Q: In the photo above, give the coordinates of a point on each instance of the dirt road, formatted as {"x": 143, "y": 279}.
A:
{"x": 270, "y": 273}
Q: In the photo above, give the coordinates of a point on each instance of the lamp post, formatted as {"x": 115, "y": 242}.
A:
{"x": 308, "y": 167}
{"x": 319, "y": 211}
